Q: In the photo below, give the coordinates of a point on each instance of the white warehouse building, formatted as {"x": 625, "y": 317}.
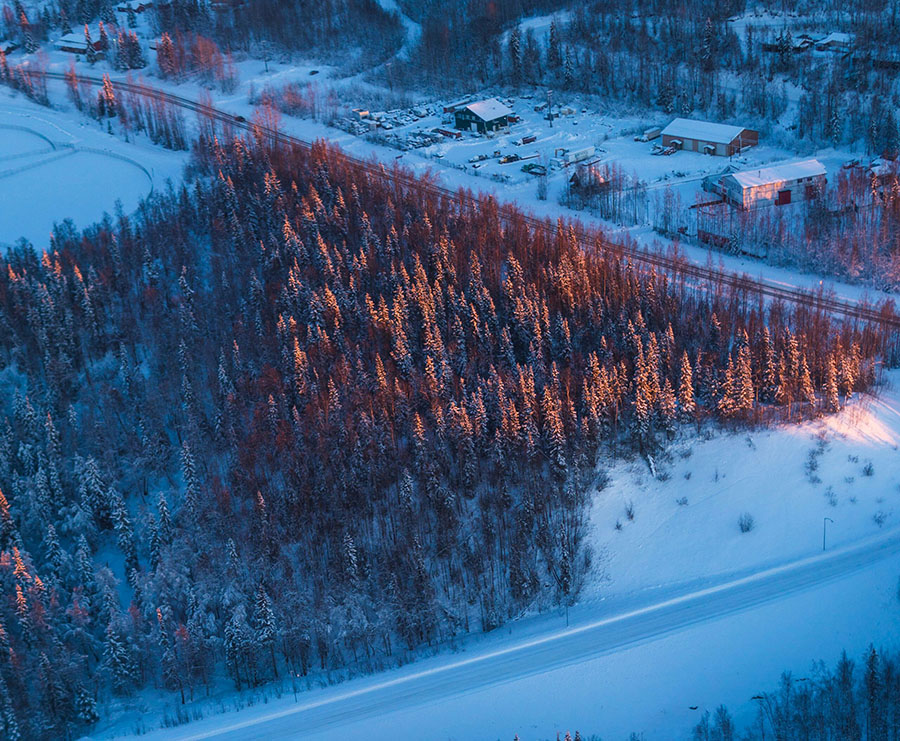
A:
{"x": 774, "y": 186}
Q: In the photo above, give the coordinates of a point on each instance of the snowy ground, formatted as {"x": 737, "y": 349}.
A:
{"x": 845, "y": 467}
{"x": 55, "y": 166}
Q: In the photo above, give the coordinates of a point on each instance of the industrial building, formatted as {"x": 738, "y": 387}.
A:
{"x": 483, "y": 116}
{"x": 708, "y": 137}
{"x": 774, "y": 186}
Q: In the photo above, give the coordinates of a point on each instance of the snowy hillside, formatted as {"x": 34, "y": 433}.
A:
{"x": 685, "y": 527}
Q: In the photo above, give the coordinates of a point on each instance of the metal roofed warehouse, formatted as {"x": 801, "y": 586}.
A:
{"x": 778, "y": 185}
{"x": 485, "y": 115}
{"x": 723, "y": 140}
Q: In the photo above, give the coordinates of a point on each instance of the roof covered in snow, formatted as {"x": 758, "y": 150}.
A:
{"x": 837, "y": 38}
{"x": 489, "y": 110}
{"x": 707, "y": 131}
{"x": 76, "y": 38}
{"x": 779, "y": 173}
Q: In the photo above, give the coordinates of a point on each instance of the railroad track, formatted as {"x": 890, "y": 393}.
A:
{"x": 883, "y": 314}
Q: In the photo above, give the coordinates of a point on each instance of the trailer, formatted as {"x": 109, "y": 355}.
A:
{"x": 649, "y": 135}
{"x": 565, "y": 157}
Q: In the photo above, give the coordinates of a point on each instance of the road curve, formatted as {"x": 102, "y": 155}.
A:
{"x": 361, "y": 699}
{"x": 882, "y": 315}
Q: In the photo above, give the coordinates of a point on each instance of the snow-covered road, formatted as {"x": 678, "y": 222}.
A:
{"x": 440, "y": 679}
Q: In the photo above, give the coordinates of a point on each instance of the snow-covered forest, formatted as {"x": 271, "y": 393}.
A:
{"x": 302, "y": 416}
{"x": 298, "y": 417}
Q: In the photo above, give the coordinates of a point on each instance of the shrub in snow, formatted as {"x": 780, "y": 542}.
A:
{"x": 879, "y": 517}
{"x": 745, "y": 522}
{"x": 629, "y": 510}
{"x": 868, "y": 469}
{"x": 681, "y": 502}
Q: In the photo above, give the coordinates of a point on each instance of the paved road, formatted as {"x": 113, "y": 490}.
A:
{"x": 366, "y": 698}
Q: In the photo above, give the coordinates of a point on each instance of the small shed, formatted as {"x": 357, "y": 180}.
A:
{"x": 483, "y": 116}
{"x": 708, "y": 137}
{"x": 778, "y": 185}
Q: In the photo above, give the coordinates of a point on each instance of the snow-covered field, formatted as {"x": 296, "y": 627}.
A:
{"x": 56, "y": 166}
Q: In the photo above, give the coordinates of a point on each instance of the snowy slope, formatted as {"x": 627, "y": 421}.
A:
{"x": 789, "y": 479}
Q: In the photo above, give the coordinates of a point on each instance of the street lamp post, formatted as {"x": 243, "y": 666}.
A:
{"x": 824, "y": 526}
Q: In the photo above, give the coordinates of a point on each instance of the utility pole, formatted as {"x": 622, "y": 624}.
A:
{"x": 824, "y": 525}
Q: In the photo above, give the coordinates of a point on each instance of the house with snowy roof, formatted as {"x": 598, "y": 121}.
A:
{"x": 134, "y": 6}
{"x": 483, "y": 116}
{"x": 708, "y": 137}
{"x": 75, "y": 43}
{"x": 778, "y": 185}
{"x": 836, "y": 42}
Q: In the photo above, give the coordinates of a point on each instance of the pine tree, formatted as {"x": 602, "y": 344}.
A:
{"x": 807, "y": 391}
{"x": 514, "y": 51}
{"x": 10, "y": 725}
{"x": 85, "y": 706}
{"x": 554, "y": 54}
{"x": 9, "y": 533}
{"x": 54, "y": 557}
{"x": 94, "y": 493}
{"x": 707, "y": 52}
{"x": 90, "y": 51}
{"x": 118, "y": 661}
{"x": 191, "y": 484}
{"x": 667, "y": 407}
{"x": 686, "y": 402}
{"x": 873, "y": 684}
{"x": 165, "y": 56}
{"x": 124, "y": 531}
{"x": 237, "y": 646}
{"x": 744, "y": 395}
{"x": 164, "y": 526}
{"x": 832, "y": 400}
{"x": 265, "y": 625}
{"x": 104, "y": 39}
{"x": 31, "y": 45}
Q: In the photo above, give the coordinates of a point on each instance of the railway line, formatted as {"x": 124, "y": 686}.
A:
{"x": 883, "y": 315}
